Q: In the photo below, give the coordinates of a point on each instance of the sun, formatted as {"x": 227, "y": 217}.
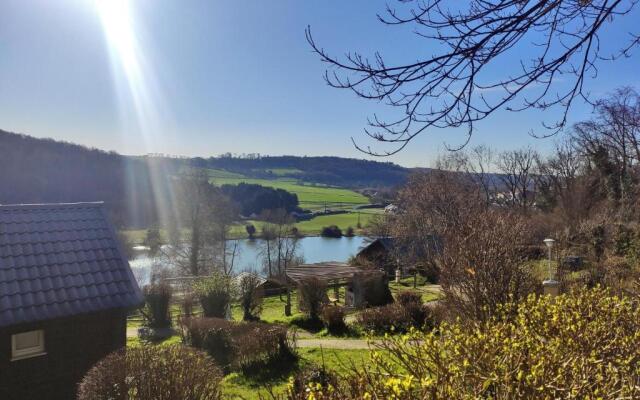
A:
{"x": 117, "y": 23}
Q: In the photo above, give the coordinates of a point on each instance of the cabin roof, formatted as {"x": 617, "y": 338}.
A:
{"x": 60, "y": 260}
{"x": 389, "y": 244}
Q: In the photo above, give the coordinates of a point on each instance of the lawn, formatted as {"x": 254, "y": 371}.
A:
{"x": 238, "y": 386}
{"x": 430, "y": 292}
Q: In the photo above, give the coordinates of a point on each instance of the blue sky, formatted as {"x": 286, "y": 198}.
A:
{"x": 223, "y": 76}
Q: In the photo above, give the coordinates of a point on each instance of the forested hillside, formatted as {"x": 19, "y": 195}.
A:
{"x": 335, "y": 171}
{"x": 36, "y": 170}
{"x": 43, "y": 170}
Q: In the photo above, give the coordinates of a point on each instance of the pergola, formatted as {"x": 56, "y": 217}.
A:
{"x": 326, "y": 271}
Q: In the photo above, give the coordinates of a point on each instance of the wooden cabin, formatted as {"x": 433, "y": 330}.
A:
{"x": 65, "y": 289}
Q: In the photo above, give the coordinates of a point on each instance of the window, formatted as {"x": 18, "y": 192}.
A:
{"x": 27, "y": 344}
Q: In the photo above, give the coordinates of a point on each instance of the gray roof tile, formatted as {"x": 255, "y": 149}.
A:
{"x": 58, "y": 260}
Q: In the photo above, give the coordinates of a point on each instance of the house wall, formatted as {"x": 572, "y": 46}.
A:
{"x": 72, "y": 346}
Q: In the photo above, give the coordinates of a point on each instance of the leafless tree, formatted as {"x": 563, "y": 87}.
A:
{"x": 224, "y": 213}
{"x": 611, "y": 140}
{"x": 477, "y": 163}
{"x": 462, "y": 80}
{"x": 482, "y": 263}
{"x": 198, "y": 241}
{"x": 479, "y": 253}
{"x": 280, "y": 248}
{"x": 430, "y": 203}
{"x": 517, "y": 168}
{"x": 280, "y": 243}
{"x": 564, "y": 184}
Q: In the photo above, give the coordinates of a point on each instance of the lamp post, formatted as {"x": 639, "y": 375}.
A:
{"x": 550, "y": 285}
{"x": 398, "y": 270}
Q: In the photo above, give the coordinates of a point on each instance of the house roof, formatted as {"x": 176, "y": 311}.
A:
{"x": 59, "y": 260}
{"x": 385, "y": 242}
{"x": 389, "y": 244}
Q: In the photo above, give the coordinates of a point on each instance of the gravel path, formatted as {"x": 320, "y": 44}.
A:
{"x": 306, "y": 340}
{"x": 343, "y": 344}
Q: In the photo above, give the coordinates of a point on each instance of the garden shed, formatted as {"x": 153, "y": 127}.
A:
{"x": 65, "y": 288}
{"x": 385, "y": 252}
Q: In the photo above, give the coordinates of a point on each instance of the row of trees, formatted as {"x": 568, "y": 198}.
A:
{"x": 254, "y": 199}
{"x": 594, "y": 163}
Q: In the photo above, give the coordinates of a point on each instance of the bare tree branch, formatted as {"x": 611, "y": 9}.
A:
{"x": 454, "y": 88}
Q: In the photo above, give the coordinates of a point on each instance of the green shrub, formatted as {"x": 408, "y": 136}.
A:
{"x": 582, "y": 345}
{"x": 331, "y": 231}
{"x": 251, "y": 230}
{"x": 215, "y": 294}
{"x": 153, "y": 240}
{"x": 251, "y": 296}
{"x": 333, "y": 319}
{"x": 151, "y": 373}
{"x": 156, "y": 311}
{"x": 312, "y": 295}
{"x": 384, "y": 319}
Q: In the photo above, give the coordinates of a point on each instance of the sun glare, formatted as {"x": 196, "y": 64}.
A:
{"x": 139, "y": 95}
{"x": 117, "y": 24}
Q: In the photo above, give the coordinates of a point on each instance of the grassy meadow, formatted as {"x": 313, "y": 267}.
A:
{"x": 313, "y": 197}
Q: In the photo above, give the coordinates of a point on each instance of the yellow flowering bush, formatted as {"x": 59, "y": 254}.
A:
{"x": 584, "y": 345}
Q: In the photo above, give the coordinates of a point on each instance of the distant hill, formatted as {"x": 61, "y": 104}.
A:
{"x": 34, "y": 170}
{"x": 43, "y": 170}
{"x": 334, "y": 171}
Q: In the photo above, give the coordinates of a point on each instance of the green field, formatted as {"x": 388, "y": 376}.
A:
{"x": 310, "y": 196}
{"x": 315, "y": 225}
{"x": 223, "y": 174}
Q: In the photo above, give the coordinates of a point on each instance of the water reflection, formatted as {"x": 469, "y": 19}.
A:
{"x": 313, "y": 249}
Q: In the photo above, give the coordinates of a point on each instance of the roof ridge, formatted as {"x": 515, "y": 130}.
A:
{"x": 87, "y": 204}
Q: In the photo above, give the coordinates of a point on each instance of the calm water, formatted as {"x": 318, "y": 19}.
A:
{"x": 313, "y": 249}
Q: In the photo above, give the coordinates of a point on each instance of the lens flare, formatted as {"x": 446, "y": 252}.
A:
{"x": 139, "y": 98}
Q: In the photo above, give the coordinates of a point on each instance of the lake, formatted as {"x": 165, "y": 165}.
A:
{"x": 314, "y": 249}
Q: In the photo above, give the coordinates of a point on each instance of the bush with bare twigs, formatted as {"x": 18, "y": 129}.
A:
{"x": 151, "y": 373}
{"x": 312, "y": 295}
{"x": 333, "y": 319}
{"x": 239, "y": 345}
{"x": 251, "y": 296}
